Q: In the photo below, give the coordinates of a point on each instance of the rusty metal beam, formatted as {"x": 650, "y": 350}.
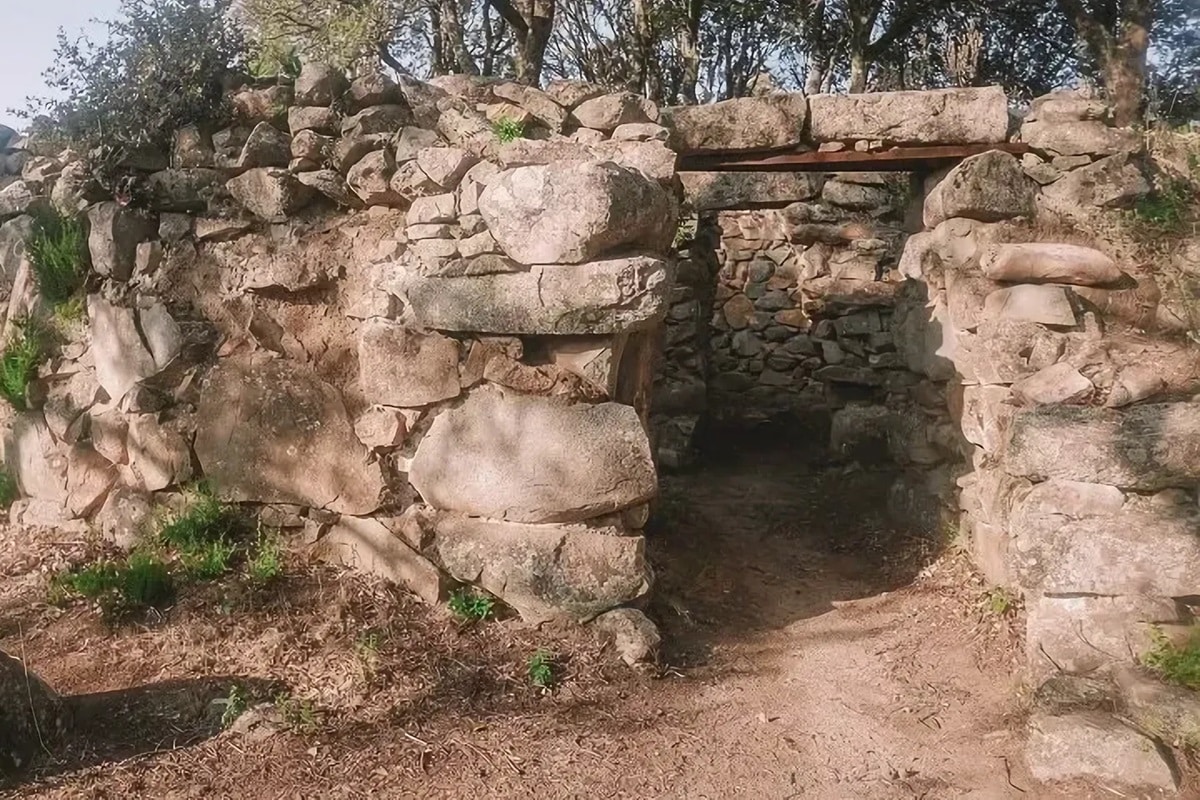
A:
{"x": 896, "y": 159}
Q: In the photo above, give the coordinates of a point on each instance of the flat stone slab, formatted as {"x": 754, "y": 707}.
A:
{"x": 271, "y": 431}
{"x": 534, "y": 459}
{"x": 545, "y": 572}
{"x": 743, "y": 123}
{"x": 945, "y": 116}
{"x": 1094, "y": 745}
{"x": 605, "y": 296}
{"x": 706, "y": 191}
{"x": 1047, "y": 262}
{"x": 1145, "y": 447}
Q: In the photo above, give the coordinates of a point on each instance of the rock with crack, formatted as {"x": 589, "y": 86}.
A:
{"x": 1094, "y": 745}
{"x": 122, "y": 356}
{"x": 545, "y": 572}
{"x": 271, "y": 431}
{"x": 946, "y": 116}
{"x": 399, "y": 367}
{"x": 534, "y": 459}
{"x": 370, "y": 545}
{"x": 606, "y": 296}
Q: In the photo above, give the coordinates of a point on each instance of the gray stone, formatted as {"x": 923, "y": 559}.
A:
{"x": 266, "y": 146}
{"x": 721, "y": 190}
{"x": 1094, "y": 745}
{"x": 270, "y": 193}
{"x": 634, "y": 637}
{"x": 122, "y": 357}
{"x": 1113, "y": 182}
{"x": 320, "y": 122}
{"x": 412, "y": 140}
{"x": 1079, "y": 634}
{"x": 185, "y": 189}
{"x": 640, "y": 132}
{"x": 385, "y": 119}
{"x": 946, "y": 116}
{"x": 597, "y": 297}
{"x": 1080, "y": 137}
{"x": 34, "y": 460}
{"x": 369, "y": 545}
{"x": 1044, "y": 262}
{"x": 1006, "y": 350}
{"x": 114, "y": 233}
{"x": 371, "y": 180}
{"x": 854, "y": 196}
{"x": 1067, "y": 105}
{"x": 445, "y": 166}
{"x": 431, "y": 209}
{"x": 607, "y": 112}
{"x": 545, "y": 572}
{"x": 350, "y": 150}
{"x": 744, "y": 123}
{"x": 1170, "y": 713}
{"x": 1150, "y": 447}
{"x": 535, "y": 101}
{"x": 985, "y": 415}
{"x": 158, "y": 456}
{"x": 18, "y": 198}
{"x": 534, "y": 459}
{"x": 330, "y": 184}
{"x": 398, "y": 367}
{"x": 273, "y": 432}
{"x": 1057, "y": 383}
{"x": 570, "y": 213}
{"x": 320, "y": 85}
{"x": 1047, "y": 305}
{"x": 988, "y": 187}
{"x": 569, "y": 93}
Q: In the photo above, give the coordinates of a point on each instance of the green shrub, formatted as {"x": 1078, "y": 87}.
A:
{"x": 266, "y": 562}
{"x": 1167, "y": 210}
{"x": 56, "y": 251}
{"x": 204, "y": 520}
{"x": 1176, "y": 664}
{"x": 507, "y": 129}
{"x": 159, "y": 65}
{"x": 541, "y": 670}
{"x": 208, "y": 561}
{"x": 19, "y": 364}
{"x": 8, "y": 489}
{"x": 468, "y": 604}
{"x": 142, "y": 580}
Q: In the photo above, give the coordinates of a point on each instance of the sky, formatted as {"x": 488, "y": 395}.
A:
{"x": 27, "y": 43}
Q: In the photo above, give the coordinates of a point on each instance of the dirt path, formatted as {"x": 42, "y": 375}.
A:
{"x": 813, "y": 653}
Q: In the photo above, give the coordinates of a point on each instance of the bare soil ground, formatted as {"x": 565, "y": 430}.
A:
{"x": 813, "y": 651}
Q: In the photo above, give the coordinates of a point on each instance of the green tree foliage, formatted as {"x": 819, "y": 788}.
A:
{"x": 161, "y": 65}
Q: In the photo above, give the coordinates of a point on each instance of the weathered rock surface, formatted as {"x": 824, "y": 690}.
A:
{"x": 270, "y": 193}
{"x": 720, "y": 190}
{"x": 744, "y": 123}
{"x": 122, "y": 356}
{"x": 1113, "y": 182}
{"x": 399, "y": 367}
{"x": 1079, "y": 634}
{"x": 1094, "y": 745}
{"x": 597, "y": 297}
{"x": 272, "y": 432}
{"x": 948, "y": 116}
{"x": 560, "y": 213}
{"x": 1079, "y": 137}
{"x": 1057, "y": 383}
{"x": 545, "y": 572}
{"x": 37, "y": 464}
{"x": 114, "y": 233}
{"x": 1047, "y": 305}
{"x": 608, "y": 111}
{"x": 631, "y": 633}
{"x": 319, "y": 85}
{"x": 1153, "y": 446}
{"x": 534, "y": 459}
{"x": 1044, "y": 262}
{"x": 369, "y": 544}
{"x": 988, "y": 187}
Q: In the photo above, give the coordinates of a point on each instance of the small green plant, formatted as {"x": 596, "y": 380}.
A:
{"x": 204, "y": 519}
{"x": 266, "y": 562}
{"x": 999, "y": 601}
{"x": 56, "y": 248}
{"x": 468, "y": 604}
{"x": 508, "y": 129}
{"x": 299, "y": 714}
{"x": 235, "y": 705}
{"x": 142, "y": 580}
{"x": 1167, "y": 210}
{"x": 8, "y": 488}
{"x": 1180, "y": 665}
{"x": 541, "y": 670}
{"x": 207, "y": 561}
{"x": 19, "y": 364}
{"x": 70, "y": 312}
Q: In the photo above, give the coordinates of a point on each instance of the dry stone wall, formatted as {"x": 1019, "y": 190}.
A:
{"x": 361, "y": 313}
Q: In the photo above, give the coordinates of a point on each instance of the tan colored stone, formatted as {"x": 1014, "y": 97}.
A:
{"x": 399, "y": 367}
{"x": 368, "y": 545}
{"x": 1051, "y": 263}
{"x": 946, "y": 116}
{"x": 1057, "y": 383}
{"x": 744, "y": 123}
{"x": 1047, "y": 305}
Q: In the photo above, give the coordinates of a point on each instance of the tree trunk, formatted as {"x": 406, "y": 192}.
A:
{"x": 858, "y": 71}
{"x": 1119, "y": 52}
{"x": 531, "y": 43}
{"x": 31, "y": 715}
{"x": 454, "y": 45}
